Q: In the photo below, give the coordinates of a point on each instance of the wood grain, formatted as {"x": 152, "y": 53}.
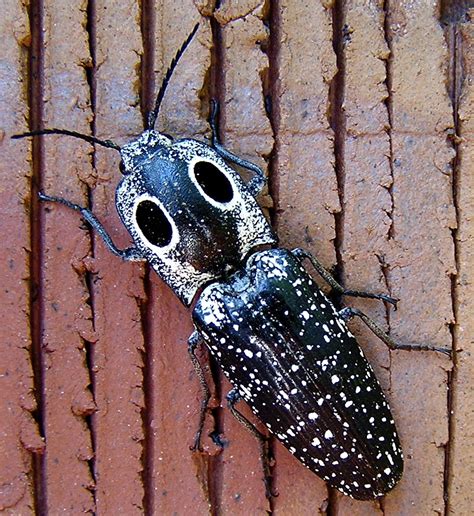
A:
{"x": 361, "y": 115}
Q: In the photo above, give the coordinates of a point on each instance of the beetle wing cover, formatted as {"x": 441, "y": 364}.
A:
{"x": 281, "y": 342}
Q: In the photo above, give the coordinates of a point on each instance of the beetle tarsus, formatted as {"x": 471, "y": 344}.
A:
{"x": 348, "y": 313}
{"x": 194, "y": 341}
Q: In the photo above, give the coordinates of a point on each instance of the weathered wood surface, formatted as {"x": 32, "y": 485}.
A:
{"x": 361, "y": 114}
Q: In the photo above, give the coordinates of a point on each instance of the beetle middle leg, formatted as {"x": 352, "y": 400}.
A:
{"x": 256, "y": 184}
{"x": 233, "y": 397}
{"x": 326, "y": 275}
{"x": 348, "y": 313}
{"x": 194, "y": 341}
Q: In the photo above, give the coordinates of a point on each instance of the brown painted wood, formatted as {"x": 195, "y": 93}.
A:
{"x": 361, "y": 115}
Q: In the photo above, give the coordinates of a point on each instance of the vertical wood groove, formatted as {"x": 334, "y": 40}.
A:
{"x": 316, "y": 122}
{"x": 35, "y": 88}
{"x": 148, "y": 28}
{"x": 454, "y": 85}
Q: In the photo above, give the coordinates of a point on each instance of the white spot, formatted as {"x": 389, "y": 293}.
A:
{"x": 295, "y": 368}
{"x": 334, "y": 378}
{"x": 246, "y": 392}
{"x": 328, "y": 434}
{"x": 315, "y": 442}
{"x": 248, "y": 353}
{"x": 312, "y": 416}
{"x": 344, "y": 455}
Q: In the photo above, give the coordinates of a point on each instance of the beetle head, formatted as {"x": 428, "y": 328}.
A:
{"x": 190, "y": 215}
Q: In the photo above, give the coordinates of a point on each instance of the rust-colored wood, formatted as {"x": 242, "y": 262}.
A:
{"x": 20, "y": 438}
{"x": 360, "y": 113}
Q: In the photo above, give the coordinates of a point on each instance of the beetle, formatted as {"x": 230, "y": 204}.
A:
{"x": 285, "y": 348}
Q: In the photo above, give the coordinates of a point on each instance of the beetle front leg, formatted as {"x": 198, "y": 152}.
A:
{"x": 348, "y": 313}
{"x": 256, "y": 184}
{"x": 128, "y": 254}
{"x": 193, "y": 342}
{"x": 329, "y": 279}
{"x": 233, "y": 397}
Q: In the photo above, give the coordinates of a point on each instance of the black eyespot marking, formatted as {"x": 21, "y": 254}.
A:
{"x": 153, "y": 223}
{"x": 214, "y": 183}
{"x": 122, "y": 168}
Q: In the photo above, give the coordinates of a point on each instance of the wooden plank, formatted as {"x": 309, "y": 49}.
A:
{"x": 422, "y": 256}
{"x": 305, "y": 186}
{"x": 20, "y": 437}
{"x": 180, "y": 479}
{"x": 364, "y": 167}
{"x": 246, "y": 130}
{"x": 67, "y": 323}
{"x": 118, "y": 292}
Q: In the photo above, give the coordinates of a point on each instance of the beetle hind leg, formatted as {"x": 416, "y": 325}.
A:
{"x": 194, "y": 341}
{"x": 233, "y": 397}
{"x": 348, "y": 313}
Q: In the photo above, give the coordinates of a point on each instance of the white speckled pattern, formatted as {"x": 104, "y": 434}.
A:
{"x": 283, "y": 345}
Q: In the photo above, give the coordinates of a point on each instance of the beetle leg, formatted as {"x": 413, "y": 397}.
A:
{"x": 233, "y": 397}
{"x": 129, "y": 254}
{"x": 348, "y": 313}
{"x": 193, "y": 342}
{"x": 326, "y": 275}
{"x": 256, "y": 184}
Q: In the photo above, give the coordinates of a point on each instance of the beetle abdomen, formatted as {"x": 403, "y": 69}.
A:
{"x": 281, "y": 342}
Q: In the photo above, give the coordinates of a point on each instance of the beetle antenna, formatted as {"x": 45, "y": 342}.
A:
{"x": 86, "y": 137}
{"x": 154, "y": 114}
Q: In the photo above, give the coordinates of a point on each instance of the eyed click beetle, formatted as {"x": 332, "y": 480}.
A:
{"x": 282, "y": 344}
